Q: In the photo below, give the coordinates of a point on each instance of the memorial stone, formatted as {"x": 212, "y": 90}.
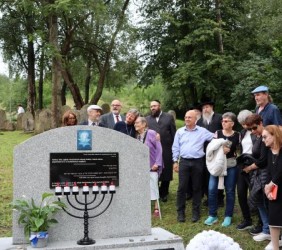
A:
{"x": 9, "y": 126}
{"x": 106, "y": 108}
{"x": 83, "y": 114}
{"x": 64, "y": 109}
{"x": 126, "y": 224}
{"x": 28, "y": 122}
{"x": 20, "y": 121}
{"x": 3, "y": 118}
{"x": 43, "y": 121}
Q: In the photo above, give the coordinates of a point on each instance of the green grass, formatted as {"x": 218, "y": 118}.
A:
{"x": 7, "y": 142}
{"x": 186, "y": 230}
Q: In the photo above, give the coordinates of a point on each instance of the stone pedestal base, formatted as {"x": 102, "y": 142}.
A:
{"x": 160, "y": 239}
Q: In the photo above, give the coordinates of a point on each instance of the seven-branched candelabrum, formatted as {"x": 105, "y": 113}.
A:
{"x": 86, "y": 205}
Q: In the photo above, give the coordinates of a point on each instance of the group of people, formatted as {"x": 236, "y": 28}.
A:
{"x": 211, "y": 144}
{"x": 156, "y": 131}
{"x": 211, "y": 159}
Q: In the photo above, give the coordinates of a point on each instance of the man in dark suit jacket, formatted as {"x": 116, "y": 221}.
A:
{"x": 111, "y": 118}
{"x": 164, "y": 124}
{"x": 93, "y": 113}
{"x": 212, "y": 122}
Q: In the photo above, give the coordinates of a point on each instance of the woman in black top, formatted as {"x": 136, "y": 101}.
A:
{"x": 272, "y": 137}
{"x": 127, "y": 126}
{"x": 227, "y": 133}
{"x": 243, "y": 182}
{"x": 258, "y": 175}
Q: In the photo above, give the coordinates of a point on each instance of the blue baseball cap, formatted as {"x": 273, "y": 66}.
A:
{"x": 260, "y": 89}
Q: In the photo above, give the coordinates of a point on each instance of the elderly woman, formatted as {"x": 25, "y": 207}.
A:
{"x": 69, "y": 118}
{"x": 127, "y": 126}
{"x": 150, "y": 138}
{"x": 272, "y": 137}
{"x": 243, "y": 182}
{"x": 258, "y": 175}
{"x": 227, "y": 133}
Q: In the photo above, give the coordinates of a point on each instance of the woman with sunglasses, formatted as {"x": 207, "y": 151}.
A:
{"x": 272, "y": 137}
{"x": 258, "y": 175}
{"x": 227, "y": 133}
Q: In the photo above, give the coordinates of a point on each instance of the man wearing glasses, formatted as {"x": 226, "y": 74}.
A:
{"x": 111, "y": 118}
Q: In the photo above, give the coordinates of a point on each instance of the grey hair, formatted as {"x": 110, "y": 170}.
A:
{"x": 134, "y": 112}
{"x": 243, "y": 114}
{"x": 229, "y": 115}
{"x": 143, "y": 120}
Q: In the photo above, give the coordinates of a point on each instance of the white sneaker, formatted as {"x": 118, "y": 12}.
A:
{"x": 262, "y": 237}
{"x": 269, "y": 246}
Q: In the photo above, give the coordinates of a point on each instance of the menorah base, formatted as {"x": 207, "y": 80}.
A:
{"x": 86, "y": 241}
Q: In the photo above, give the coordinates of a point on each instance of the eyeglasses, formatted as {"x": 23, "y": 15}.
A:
{"x": 253, "y": 128}
{"x": 115, "y": 105}
{"x": 225, "y": 121}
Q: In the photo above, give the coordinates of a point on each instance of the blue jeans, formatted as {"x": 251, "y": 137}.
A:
{"x": 230, "y": 184}
{"x": 263, "y": 212}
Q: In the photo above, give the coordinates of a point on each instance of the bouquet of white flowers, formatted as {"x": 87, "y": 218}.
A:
{"x": 212, "y": 240}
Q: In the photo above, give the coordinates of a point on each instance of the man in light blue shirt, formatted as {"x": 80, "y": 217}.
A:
{"x": 188, "y": 157}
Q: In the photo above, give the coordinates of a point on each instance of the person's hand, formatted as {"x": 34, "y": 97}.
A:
{"x": 155, "y": 167}
{"x": 248, "y": 169}
{"x": 268, "y": 188}
{"x": 176, "y": 167}
{"x": 158, "y": 137}
{"x": 269, "y": 196}
{"x": 226, "y": 149}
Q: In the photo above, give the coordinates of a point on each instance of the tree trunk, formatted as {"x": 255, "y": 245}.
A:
{"x": 31, "y": 100}
{"x": 100, "y": 85}
{"x": 56, "y": 74}
{"x": 40, "y": 81}
{"x": 87, "y": 80}
{"x": 63, "y": 94}
{"x": 219, "y": 21}
{"x": 99, "y": 90}
{"x": 74, "y": 89}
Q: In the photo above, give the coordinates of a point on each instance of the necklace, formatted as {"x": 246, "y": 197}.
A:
{"x": 274, "y": 158}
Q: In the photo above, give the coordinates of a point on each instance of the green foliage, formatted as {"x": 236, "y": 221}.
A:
{"x": 250, "y": 73}
{"x": 12, "y": 93}
{"x": 37, "y": 218}
{"x": 182, "y": 46}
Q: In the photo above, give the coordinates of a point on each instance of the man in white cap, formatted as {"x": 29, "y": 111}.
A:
{"x": 94, "y": 113}
{"x": 268, "y": 111}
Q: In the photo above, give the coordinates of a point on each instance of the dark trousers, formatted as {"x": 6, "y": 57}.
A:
{"x": 163, "y": 188}
{"x": 243, "y": 184}
{"x": 192, "y": 168}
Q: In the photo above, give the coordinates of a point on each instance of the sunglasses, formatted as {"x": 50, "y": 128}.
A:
{"x": 253, "y": 128}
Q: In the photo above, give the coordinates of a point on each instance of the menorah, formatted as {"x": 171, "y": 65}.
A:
{"x": 86, "y": 204}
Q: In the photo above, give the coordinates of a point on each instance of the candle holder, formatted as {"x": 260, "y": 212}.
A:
{"x": 86, "y": 205}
